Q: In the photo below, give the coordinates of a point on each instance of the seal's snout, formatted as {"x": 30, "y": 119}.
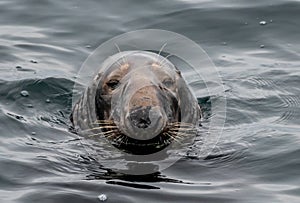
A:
{"x": 144, "y": 122}
{"x": 140, "y": 117}
{"x": 146, "y": 117}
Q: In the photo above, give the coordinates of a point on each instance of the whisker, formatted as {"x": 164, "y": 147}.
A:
{"x": 187, "y": 128}
{"x": 169, "y": 56}
{"x": 180, "y": 128}
{"x": 110, "y": 136}
{"x": 119, "y": 139}
{"x": 164, "y": 61}
{"x": 124, "y": 61}
{"x": 183, "y": 132}
{"x": 173, "y": 137}
{"x": 119, "y": 63}
{"x": 179, "y": 135}
{"x": 101, "y": 127}
{"x": 94, "y": 135}
{"x": 102, "y": 133}
{"x": 103, "y": 122}
{"x": 126, "y": 140}
{"x": 104, "y": 127}
{"x": 108, "y": 132}
{"x": 182, "y": 135}
{"x": 183, "y": 123}
{"x": 162, "y": 47}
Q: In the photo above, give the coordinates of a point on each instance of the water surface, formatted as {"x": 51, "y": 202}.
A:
{"x": 257, "y": 157}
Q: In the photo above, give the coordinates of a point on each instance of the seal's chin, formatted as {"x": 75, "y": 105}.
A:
{"x": 141, "y": 147}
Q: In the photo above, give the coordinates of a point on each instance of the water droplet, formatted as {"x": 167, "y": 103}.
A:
{"x": 271, "y": 21}
{"x": 263, "y": 22}
{"x": 88, "y": 46}
{"x": 24, "y": 93}
{"x": 33, "y": 61}
{"x": 262, "y": 46}
{"x": 224, "y": 43}
{"x": 102, "y": 197}
{"x": 33, "y": 133}
{"x": 29, "y": 105}
{"x": 48, "y": 100}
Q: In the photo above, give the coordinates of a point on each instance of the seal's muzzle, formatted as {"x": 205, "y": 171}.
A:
{"x": 146, "y": 116}
{"x": 140, "y": 118}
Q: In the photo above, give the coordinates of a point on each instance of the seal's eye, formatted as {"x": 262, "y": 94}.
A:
{"x": 113, "y": 84}
{"x": 168, "y": 82}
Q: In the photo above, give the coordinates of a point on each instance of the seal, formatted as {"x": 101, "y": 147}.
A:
{"x": 139, "y": 102}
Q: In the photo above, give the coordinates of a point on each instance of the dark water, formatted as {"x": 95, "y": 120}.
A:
{"x": 257, "y": 158}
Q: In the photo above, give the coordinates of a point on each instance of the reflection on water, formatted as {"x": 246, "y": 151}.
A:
{"x": 44, "y": 43}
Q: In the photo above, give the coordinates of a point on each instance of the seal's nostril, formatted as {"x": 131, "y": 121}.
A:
{"x": 142, "y": 123}
{"x": 140, "y": 117}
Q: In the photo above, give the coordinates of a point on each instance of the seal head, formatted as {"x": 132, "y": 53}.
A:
{"x": 139, "y": 101}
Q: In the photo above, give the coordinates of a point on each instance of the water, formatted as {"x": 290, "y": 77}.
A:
{"x": 44, "y": 43}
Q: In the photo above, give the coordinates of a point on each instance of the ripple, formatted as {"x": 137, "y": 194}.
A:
{"x": 291, "y": 109}
{"x": 291, "y": 100}
{"x": 255, "y": 160}
{"x": 289, "y": 103}
{"x": 266, "y": 95}
{"x": 8, "y": 31}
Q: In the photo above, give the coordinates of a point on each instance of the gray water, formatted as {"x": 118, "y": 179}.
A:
{"x": 42, "y": 46}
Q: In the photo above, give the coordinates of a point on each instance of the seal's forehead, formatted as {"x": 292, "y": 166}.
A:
{"x": 137, "y": 61}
